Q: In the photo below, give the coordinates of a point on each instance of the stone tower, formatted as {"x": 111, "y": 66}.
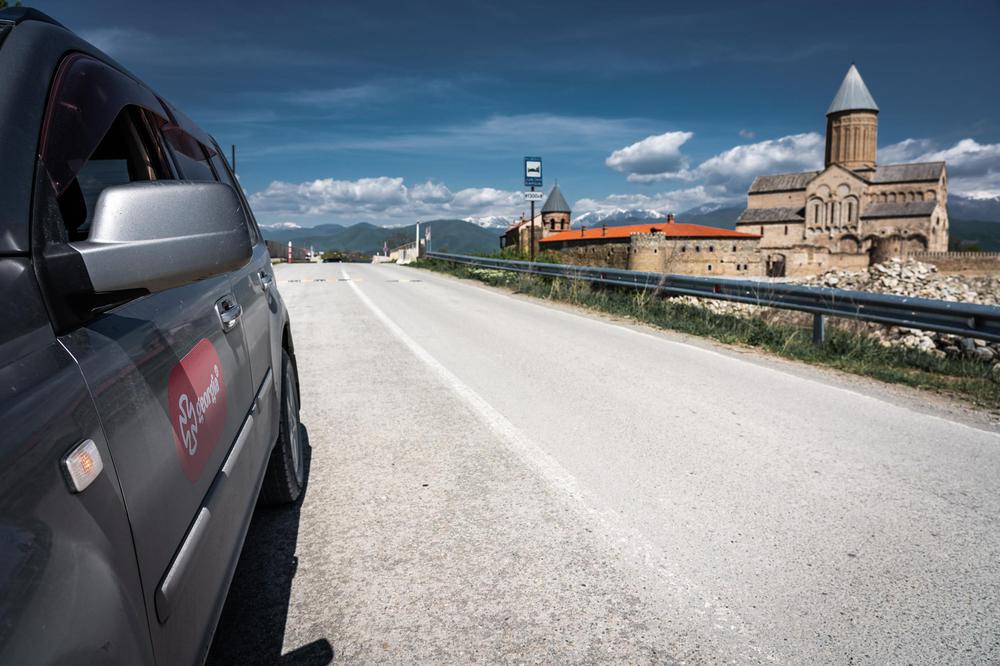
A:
{"x": 852, "y": 125}
{"x": 555, "y": 212}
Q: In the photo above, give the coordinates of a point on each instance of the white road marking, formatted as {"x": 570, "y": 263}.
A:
{"x": 625, "y": 538}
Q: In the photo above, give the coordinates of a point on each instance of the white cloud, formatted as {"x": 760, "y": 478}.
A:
{"x": 431, "y": 192}
{"x": 380, "y": 200}
{"x": 904, "y": 151}
{"x": 658, "y": 155}
{"x": 747, "y": 134}
{"x": 658, "y": 158}
{"x": 672, "y": 201}
{"x": 973, "y": 167}
{"x": 544, "y": 132}
{"x": 735, "y": 169}
{"x": 376, "y": 91}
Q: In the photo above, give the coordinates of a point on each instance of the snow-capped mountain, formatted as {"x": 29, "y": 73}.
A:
{"x": 490, "y": 221}
{"x": 617, "y": 217}
{"x": 706, "y": 208}
{"x": 283, "y": 226}
{"x": 983, "y": 208}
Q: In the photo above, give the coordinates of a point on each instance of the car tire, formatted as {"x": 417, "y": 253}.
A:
{"x": 285, "y": 476}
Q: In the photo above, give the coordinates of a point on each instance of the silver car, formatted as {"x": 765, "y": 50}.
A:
{"x": 147, "y": 370}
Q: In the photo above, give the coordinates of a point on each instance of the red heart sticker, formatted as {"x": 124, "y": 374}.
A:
{"x": 197, "y": 399}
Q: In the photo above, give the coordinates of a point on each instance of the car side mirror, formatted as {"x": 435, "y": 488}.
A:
{"x": 162, "y": 234}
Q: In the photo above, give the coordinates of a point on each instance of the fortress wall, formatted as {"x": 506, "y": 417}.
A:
{"x": 961, "y": 262}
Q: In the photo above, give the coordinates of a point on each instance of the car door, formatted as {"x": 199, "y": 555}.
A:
{"x": 69, "y": 585}
{"x": 253, "y": 287}
{"x": 169, "y": 372}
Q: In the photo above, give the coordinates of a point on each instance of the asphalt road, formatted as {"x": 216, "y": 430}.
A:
{"x": 494, "y": 479}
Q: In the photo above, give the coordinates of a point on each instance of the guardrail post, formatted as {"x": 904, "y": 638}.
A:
{"x": 819, "y": 329}
{"x": 964, "y": 319}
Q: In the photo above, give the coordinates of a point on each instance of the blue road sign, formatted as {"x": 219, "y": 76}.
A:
{"x": 532, "y": 171}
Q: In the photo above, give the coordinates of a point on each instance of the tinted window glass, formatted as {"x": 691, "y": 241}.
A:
{"x": 88, "y": 98}
{"x": 191, "y": 158}
{"x": 120, "y": 157}
{"x": 225, "y": 176}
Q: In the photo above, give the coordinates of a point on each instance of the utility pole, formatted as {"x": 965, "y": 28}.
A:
{"x": 234, "y": 157}
{"x": 532, "y": 223}
{"x": 532, "y": 179}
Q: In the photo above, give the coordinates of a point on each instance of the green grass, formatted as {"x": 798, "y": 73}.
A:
{"x": 844, "y": 349}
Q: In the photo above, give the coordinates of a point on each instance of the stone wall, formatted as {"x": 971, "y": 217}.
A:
{"x": 696, "y": 256}
{"x": 604, "y": 252}
{"x": 657, "y": 253}
{"x": 987, "y": 263}
{"x": 791, "y": 199}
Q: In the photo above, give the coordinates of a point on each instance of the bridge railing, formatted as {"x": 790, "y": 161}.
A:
{"x": 965, "y": 319}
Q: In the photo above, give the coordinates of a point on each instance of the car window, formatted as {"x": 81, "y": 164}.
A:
{"x": 226, "y": 176}
{"x": 95, "y": 135}
{"x": 191, "y": 157}
{"x": 122, "y": 156}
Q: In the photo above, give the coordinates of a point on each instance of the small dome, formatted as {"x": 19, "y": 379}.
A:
{"x": 556, "y": 203}
{"x": 853, "y": 95}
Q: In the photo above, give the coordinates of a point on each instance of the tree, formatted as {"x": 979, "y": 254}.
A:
{"x": 4, "y": 4}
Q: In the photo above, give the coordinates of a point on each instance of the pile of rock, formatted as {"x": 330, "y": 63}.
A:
{"x": 904, "y": 278}
{"x": 913, "y": 278}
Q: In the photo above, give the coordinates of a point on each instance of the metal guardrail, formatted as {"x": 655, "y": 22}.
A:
{"x": 965, "y": 319}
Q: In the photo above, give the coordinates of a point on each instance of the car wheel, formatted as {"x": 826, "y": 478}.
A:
{"x": 285, "y": 475}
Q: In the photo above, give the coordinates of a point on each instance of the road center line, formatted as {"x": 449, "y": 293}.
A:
{"x": 724, "y": 621}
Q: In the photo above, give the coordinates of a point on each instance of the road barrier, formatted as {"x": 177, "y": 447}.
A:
{"x": 965, "y": 319}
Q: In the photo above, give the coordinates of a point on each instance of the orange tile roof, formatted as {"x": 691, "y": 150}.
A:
{"x": 671, "y": 229}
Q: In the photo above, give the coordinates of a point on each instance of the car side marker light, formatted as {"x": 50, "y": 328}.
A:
{"x": 82, "y": 465}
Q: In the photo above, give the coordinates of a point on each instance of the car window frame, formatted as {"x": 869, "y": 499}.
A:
{"x": 233, "y": 181}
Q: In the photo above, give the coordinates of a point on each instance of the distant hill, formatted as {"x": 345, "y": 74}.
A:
{"x": 722, "y": 217}
{"x": 616, "y": 218}
{"x": 446, "y": 235}
{"x": 986, "y": 235}
{"x": 983, "y": 209}
{"x": 972, "y": 221}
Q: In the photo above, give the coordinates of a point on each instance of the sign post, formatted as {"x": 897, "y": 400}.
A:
{"x": 532, "y": 179}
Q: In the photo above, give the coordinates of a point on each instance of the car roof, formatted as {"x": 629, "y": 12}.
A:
{"x": 30, "y": 53}
{"x": 18, "y": 15}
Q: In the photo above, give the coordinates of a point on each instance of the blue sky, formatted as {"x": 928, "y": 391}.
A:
{"x": 393, "y": 111}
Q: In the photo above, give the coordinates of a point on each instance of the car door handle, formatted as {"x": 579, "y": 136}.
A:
{"x": 265, "y": 280}
{"x": 229, "y": 312}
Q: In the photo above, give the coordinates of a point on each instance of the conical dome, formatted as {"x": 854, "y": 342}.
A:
{"x": 556, "y": 203}
{"x": 853, "y": 95}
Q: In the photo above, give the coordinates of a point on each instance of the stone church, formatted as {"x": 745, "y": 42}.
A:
{"x": 554, "y": 216}
{"x": 854, "y": 212}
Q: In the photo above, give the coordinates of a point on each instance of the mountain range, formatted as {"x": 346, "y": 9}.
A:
{"x": 457, "y": 236}
{"x": 973, "y": 221}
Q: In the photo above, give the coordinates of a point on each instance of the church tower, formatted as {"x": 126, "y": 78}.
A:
{"x": 852, "y": 125}
{"x": 555, "y": 212}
